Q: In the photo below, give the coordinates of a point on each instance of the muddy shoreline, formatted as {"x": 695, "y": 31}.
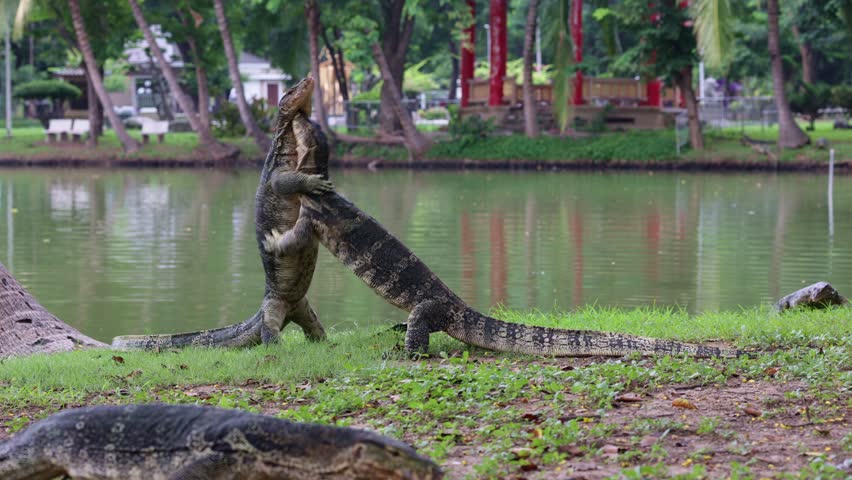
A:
{"x": 713, "y": 165}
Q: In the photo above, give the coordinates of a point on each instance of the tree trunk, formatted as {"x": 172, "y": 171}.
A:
{"x": 95, "y": 113}
{"x": 313, "y": 16}
{"x": 395, "y": 41}
{"x": 27, "y": 328}
{"x": 530, "y": 105}
{"x": 338, "y": 64}
{"x": 807, "y": 55}
{"x": 789, "y": 133}
{"x": 129, "y": 144}
{"x": 260, "y": 138}
{"x": 684, "y": 82}
{"x": 205, "y": 136}
{"x": 454, "y": 68}
{"x": 414, "y": 140}
{"x": 189, "y": 49}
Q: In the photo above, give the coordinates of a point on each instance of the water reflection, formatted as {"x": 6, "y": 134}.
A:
{"x": 119, "y": 252}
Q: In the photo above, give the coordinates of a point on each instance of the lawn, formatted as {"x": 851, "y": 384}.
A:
{"x": 632, "y": 148}
{"x": 28, "y": 143}
{"x": 782, "y": 412}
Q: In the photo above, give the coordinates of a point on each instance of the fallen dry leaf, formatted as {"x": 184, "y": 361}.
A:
{"x": 683, "y": 403}
{"x": 752, "y": 411}
{"x": 628, "y": 398}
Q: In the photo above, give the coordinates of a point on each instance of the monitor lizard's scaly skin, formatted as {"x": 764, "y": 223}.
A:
{"x": 396, "y": 274}
{"x": 171, "y": 442}
{"x": 288, "y": 168}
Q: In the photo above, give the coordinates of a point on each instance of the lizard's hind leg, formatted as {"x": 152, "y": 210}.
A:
{"x": 424, "y": 319}
{"x": 274, "y": 319}
{"x": 304, "y": 316}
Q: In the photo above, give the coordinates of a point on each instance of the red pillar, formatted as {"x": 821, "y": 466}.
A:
{"x": 576, "y": 22}
{"x": 497, "y": 20}
{"x": 468, "y": 56}
{"x": 653, "y": 88}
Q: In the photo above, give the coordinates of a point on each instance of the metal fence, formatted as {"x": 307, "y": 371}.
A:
{"x": 365, "y": 115}
{"x": 732, "y": 112}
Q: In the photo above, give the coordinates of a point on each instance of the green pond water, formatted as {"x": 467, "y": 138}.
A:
{"x": 142, "y": 251}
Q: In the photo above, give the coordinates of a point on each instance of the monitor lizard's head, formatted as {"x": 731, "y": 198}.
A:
{"x": 390, "y": 460}
{"x": 297, "y": 99}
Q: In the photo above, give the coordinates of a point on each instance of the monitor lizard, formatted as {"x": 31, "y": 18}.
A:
{"x": 182, "y": 442}
{"x": 287, "y": 172}
{"x": 397, "y": 275}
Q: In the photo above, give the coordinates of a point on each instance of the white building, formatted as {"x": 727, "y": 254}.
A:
{"x": 260, "y": 79}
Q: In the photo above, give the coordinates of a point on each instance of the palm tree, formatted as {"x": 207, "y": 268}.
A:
{"x": 790, "y": 135}
{"x": 713, "y": 19}
{"x": 313, "y": 14}
{"x": 415, "y": 142}
{"x": 7, "y": 10}
{"x": 94, "y": 75}
{"x": 530, "y": 106}
{"x": 260, "y": 138}
{"x": 205, "y": 136}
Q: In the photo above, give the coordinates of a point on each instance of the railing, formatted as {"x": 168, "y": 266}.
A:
{"x": 625, "y": 92}
{"x": 726, "y": 112}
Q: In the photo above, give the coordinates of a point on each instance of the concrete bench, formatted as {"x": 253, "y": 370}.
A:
{"x": 58, "y": 128}
{"x": 80, "y": 129}
{"x": 154, "y": 127}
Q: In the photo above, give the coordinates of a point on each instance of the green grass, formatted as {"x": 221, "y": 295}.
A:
{"x": 510, "y": 409}
{"x": 640, "y": 147}
{"x": 29, "y": 142}
{"x": 293, "y": 360}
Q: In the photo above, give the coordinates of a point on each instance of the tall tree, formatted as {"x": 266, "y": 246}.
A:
{"x": 260, "y": 138}
{"x": 713, "y": 20}
{"x": 27, "y": 328}
{"x": 397, "y": 28}
{"x": 94, "y": 76}
{"x": 312, "y": 13}
{"x": 530, "y": 105}
{"x": 414, "y": 140}
{"x": 219, "y": 150}
{"x": 790, "y": 135}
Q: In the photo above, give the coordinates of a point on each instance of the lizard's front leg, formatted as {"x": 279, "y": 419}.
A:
{"x": 285, "y": 182}
{"x": 288, "y": 243}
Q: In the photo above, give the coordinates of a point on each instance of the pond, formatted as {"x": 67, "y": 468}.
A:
{"x": 153, "y": 251}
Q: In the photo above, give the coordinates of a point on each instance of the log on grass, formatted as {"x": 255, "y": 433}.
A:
{"x": 818, "y": 295}
{"x": 27, "y": 328}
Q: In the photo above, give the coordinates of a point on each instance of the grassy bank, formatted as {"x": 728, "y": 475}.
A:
{"x": 485, "y": 415}
{"x": 28, "y": 144}
{"x": 633, "y": 148}
{"x": 638, "y": 149}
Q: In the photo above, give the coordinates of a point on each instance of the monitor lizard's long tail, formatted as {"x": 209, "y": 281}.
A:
{"x": 486, "y": 332}
{"x": 243, "y": 334}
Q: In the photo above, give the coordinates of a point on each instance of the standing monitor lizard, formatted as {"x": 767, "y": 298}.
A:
{"x": 183, "y": 442}
{"x": 397, "y": 275}
{"x": 287, "y": 172}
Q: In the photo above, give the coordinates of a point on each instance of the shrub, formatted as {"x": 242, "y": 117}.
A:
{"x": 467, "y": 131}
{"x": 434, "y": 113}
{"x": 841, "y": 96}
{"x": 227, "y": 121}
{"x": 808, "y": 100}
{"x": 52, "y": 89}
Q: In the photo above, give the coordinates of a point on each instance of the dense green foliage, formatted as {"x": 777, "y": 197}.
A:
{"x": 227, "y": 122}
{"x": 808, "y": 100}
{"x": 626, "y": 146}
{"x": 52, "y": 89}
